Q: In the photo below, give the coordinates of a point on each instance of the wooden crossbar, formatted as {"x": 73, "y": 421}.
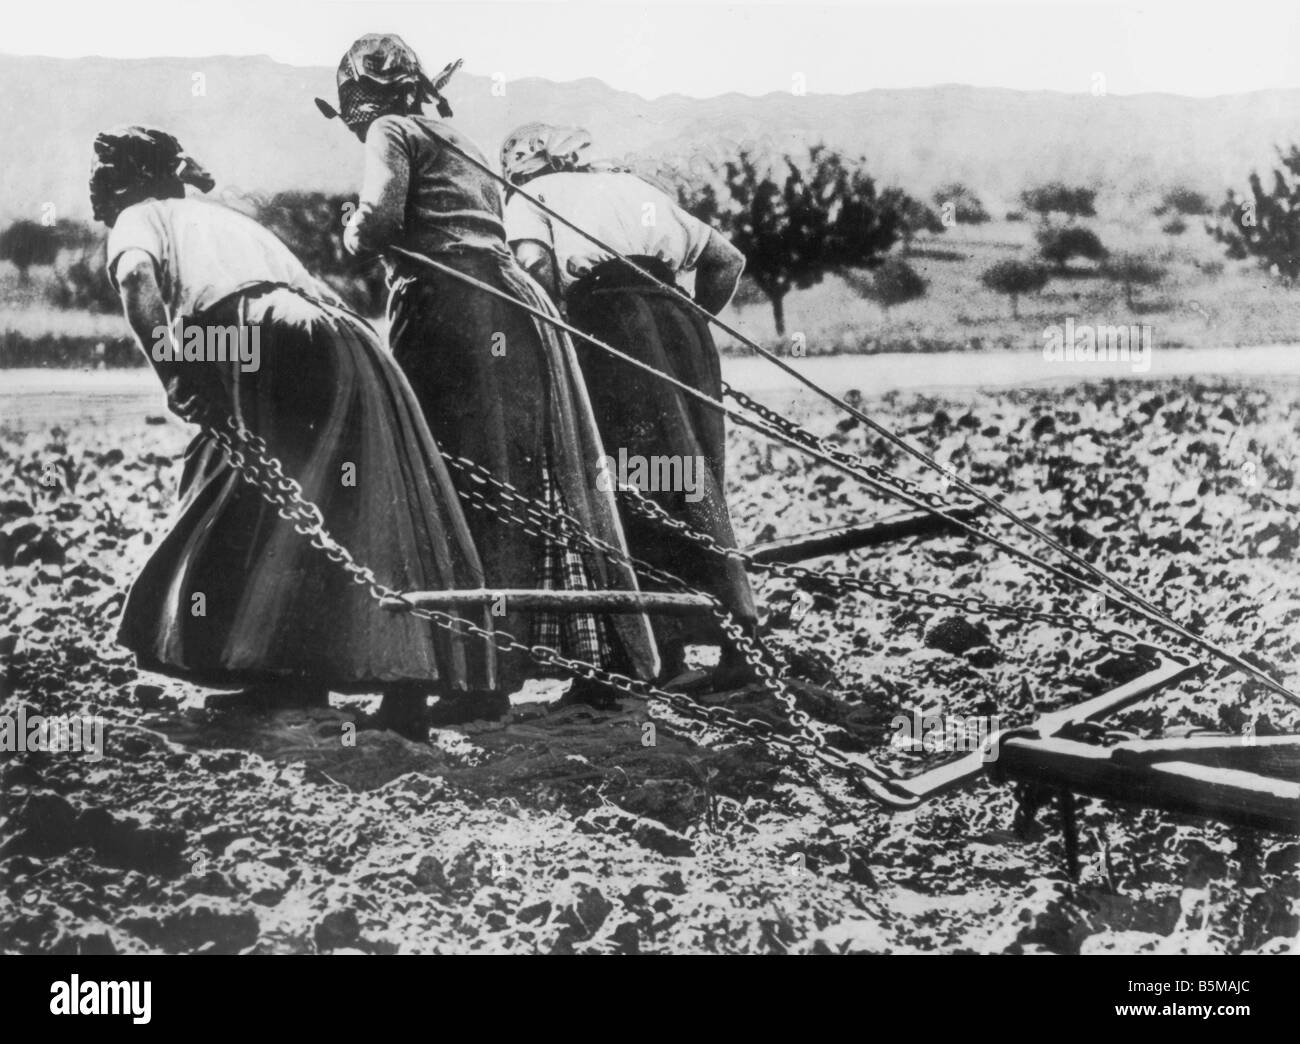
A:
{"x": 938, "y": 780}
{"x": 865, "y": 534}
{"x": 1231, "y": 795}
{"x": 531, "y": 600}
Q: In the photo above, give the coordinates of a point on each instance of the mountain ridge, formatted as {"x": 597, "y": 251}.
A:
{"x": 255, "y": 126}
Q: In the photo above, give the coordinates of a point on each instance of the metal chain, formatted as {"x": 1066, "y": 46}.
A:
{"x": 750, "y": 646}
{"x": 252, "y": 460}
{"x": 802, "y": 434}
{"x": 1118, "y": 641}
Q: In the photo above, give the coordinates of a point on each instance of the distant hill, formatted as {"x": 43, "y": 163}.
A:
{"x": 258, "y": 131}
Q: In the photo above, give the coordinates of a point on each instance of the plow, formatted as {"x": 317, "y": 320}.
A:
{"x": 1246, "y": 781}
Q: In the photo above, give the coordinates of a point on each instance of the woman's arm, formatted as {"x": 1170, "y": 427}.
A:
{"x": 380, "y": 218}
{"x": 717, "y": 272}
{"x": 142, "y": 303}
{"x": 537, "y": 260}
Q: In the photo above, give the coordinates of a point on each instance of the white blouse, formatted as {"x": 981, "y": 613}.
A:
{"x": 620, "y": 209}
{"x": 205, "y": 252}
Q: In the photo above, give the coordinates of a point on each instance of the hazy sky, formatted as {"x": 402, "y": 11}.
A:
{"x": 706, "y": 47}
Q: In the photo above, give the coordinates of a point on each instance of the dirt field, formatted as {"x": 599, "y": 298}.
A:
{"x": 203, "y": 831}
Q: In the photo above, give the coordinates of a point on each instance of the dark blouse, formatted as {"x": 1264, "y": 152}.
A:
{"x": 423, "y": 196}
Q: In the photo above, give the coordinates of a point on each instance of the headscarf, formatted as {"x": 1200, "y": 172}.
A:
{"x": 379, "y": 75}
{"x": 542, "y": 148}
{"x": 136, "y": 163}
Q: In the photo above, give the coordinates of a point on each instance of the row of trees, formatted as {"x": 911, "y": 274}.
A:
{"x": 309, "y": 223}
{"x": 798, "y": 220}
{"x": 795, "y": 220}
{"x": 1015, "y": 278}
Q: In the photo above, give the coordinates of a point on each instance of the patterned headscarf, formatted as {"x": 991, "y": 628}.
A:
{"x": 137, "y": 163}
{"x": 541, "y": 148}
{"x": 381, "y": 75}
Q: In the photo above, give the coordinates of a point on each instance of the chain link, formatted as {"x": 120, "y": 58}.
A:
{"x": 536, "y": 523}
{"x": 250, "y": 457}
{"x": 1118, "y": 641}
{"x": 807, "y": 438}
{"x": 1115, "y": 639}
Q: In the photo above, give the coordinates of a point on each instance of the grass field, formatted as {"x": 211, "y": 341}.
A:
{"x": 1205, "y": 300}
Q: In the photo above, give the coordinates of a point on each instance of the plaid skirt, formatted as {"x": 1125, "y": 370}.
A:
{"x": 524, "y": 415}
{"x": 582, "y": 636}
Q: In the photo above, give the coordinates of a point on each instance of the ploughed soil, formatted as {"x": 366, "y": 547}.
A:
{"x": 575, "y": 830}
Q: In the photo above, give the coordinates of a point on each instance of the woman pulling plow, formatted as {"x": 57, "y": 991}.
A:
{"x": 642, "y": 419}
{"x": 239, "y": 331}
{"x": 498, "y": 386}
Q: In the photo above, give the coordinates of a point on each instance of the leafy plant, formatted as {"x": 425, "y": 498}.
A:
{"x": 1058, "y": 198}
{"x": 1059, "y": 245}
{"x": 1132, "y": 270}
{"x": 1014, "y": 278}
{"x": 797, "y": 220}
{"x": 1267, "y": 225}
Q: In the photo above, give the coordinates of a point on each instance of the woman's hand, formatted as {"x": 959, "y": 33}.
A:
{"x": 142, "y": 304}
{"x": 717, "y": 272}
{"x": 537, "y": 260}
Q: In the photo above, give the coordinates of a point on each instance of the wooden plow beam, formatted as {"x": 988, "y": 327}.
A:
{"x": 866, "y": 534}
{"x": 936, "y": 781}
{"x": 1245, "y": 781}
{"x": 531, "y": 600}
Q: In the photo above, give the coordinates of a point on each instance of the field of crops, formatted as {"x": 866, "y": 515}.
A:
{"x": 204, "y": 830}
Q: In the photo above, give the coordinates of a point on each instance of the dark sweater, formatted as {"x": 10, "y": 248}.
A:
{"x": 423, "y": 196}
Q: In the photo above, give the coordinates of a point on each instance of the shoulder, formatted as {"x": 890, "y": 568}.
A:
{"x": 143, "y": 225}
{"x": 390, "y": 134}
{"x": 437, "y": 132}
{"x": 392, "y": 125}
{"x": 148, "y": 211}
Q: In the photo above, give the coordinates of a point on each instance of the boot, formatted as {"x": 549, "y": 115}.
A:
{"x": 271, "y": 695}
{"x": 672, "y": 657}
{"x": 458, "y": 708}
{"x": 734, "y": 671}
{"x": 405, "y": 711}
{"x": 585, "y": 692}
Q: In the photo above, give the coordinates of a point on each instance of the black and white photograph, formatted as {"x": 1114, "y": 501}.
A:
{"x": 642, "y": 478}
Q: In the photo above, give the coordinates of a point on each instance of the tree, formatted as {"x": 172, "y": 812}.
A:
{"x": 1014, "y": 278}
{"x": 27, "y": 243}
{"x": 311, "y": 225}
{"x": 1058, "y": 198}
{"x": 959, "y": 205}
{"x": 1267, "y": 225}
{"x": 1058, "y": 245}
{"x": 913, "y": 215}
{"x": 1133, "y": 270}
{"x": 959, "y": 201}
{"x": 84, "y": 283}
{"x": 896, "y": 282}
{"x": 797, "y": 224}
{"x": 1185, "y": 201}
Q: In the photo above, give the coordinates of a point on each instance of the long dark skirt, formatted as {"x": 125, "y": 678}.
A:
{"x": 233, "y": 594}
{"x": 504, "y": 390}
{"x": 640, "y": 415}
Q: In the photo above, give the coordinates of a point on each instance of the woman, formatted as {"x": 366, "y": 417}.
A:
{"x": 233, "y": 595}
{"x": 639, "y": 415}
{"x": 498, "y": 386}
